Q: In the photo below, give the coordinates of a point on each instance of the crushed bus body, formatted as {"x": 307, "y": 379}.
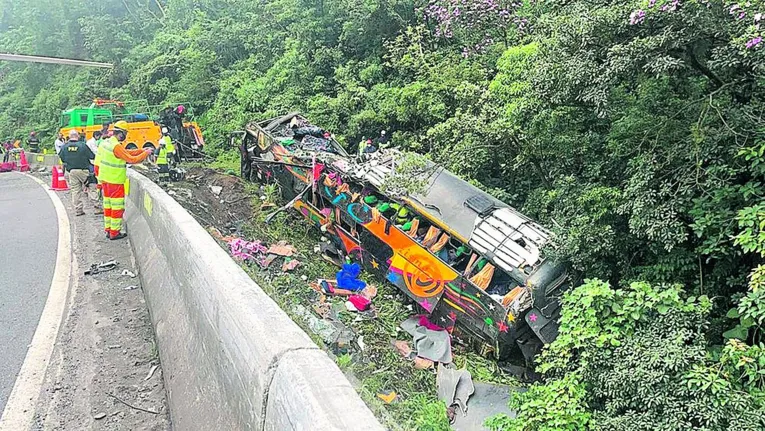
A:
{"x": 468, "y": 260}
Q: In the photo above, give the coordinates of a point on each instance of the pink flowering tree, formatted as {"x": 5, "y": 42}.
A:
{"x": 745, "y": 16}
{"x": 476, "y": 24}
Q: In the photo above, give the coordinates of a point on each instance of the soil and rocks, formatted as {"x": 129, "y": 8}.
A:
{"x": 105, "y": 372}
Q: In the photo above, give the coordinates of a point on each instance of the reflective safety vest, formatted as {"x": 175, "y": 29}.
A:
{"x": 111, "y": 169}
{"x": 168, "y": 147}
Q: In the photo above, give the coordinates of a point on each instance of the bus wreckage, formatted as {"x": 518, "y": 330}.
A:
{"x": 470, "y": 261}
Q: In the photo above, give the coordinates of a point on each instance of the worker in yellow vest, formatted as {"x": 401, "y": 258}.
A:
{"x": 166, "y": 155}
{"x": 113, "y": 158}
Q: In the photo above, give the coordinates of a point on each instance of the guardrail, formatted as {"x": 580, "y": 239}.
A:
{"x": 232, "y": 359}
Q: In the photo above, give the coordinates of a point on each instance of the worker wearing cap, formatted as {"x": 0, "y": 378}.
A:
{"x": 166, "y": 148}
{"x": 112, "y": 174}
{"x": 76, "y": 157}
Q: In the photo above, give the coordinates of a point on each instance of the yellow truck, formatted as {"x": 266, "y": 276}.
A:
{"x": 143, "y": 132}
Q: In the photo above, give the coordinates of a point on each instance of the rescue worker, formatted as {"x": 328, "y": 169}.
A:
{"x": 370, "y": 147}
{"x": 362, "y": 144}
{"x": 382, "y": 141}
{"x": 59, "y": 143}
{"x": 34, "y": 143}
{"x": 112, "y": 174}
{"x": 94, "y": 189}
{"x": 76, "y": 157}
{"x": 92, "y": 143}
{"x": 166, "y": 148}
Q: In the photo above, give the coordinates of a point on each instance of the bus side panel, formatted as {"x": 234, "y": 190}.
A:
{"x": 411, "y": 268}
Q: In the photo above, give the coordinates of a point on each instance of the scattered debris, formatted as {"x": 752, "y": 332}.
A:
{"x": 281, "y": 248}
{"x": 99, "y": 416}
{"x": 129, "y": 273}
{"x": 97, "y": 268}
{"x": 216, "y": 190}
{"x": 360, "y": 342}
{"x": 358, "y": 303}
{"x": 387, "y": 397}
{"x": 290, "y": 264}
{"x": 151, "y": 372}
{"x": 247, "y": 250}
{"x": 132, "y": 287}
{"x": 132, "y": 406}
{"x": 333, "y": 333}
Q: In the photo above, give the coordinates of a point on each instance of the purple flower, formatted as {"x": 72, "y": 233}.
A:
{"x": 636, "y": 17}
{"x": 651, "y": 3}
{"x": 753, "y": 42}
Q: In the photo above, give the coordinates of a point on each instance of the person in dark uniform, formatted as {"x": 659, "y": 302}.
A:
{"x": 76, "y": 157}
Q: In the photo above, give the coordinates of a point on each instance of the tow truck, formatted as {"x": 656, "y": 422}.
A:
{"x": 145, "y": 128}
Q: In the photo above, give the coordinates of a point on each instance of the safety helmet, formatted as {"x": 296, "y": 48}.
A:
{"x": 180, "y": 109}
{"x": 121, "y": 125}
{"x": 382, "y": 133}
{"x": 32, "y": 133}
{"x": 370, "y": 200}
{"x": 165, "y": 131}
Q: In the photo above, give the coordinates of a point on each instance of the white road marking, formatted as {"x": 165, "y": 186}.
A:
{"x": 20, "y": 408}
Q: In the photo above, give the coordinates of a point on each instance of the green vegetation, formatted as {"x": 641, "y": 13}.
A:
{"x": 632, "y": 128}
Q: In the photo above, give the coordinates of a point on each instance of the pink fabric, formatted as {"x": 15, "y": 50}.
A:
{"x": 358, "y": 301}
{"x": 428, "y": 324}
{"x": 318, "y": 168}
{"x": 245, "y": 250}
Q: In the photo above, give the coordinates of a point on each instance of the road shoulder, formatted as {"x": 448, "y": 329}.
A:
{"x": 105, "y": 372}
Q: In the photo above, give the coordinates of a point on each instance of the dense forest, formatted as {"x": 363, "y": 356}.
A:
{"x": 634, "y": 128}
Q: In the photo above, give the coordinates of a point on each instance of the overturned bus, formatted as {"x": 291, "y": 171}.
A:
{"x": 470, "y": 261}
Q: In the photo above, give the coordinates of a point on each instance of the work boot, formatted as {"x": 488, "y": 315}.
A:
{"x": 118, "y": 236}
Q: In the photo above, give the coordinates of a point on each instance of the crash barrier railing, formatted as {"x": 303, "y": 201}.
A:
{"x": 232, "y": 359}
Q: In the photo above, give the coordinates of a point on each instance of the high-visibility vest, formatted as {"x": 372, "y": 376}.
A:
{"x": 111, "y": 169}
{"x": 168, "y": 147}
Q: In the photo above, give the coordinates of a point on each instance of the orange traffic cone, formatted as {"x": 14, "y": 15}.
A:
{"x": 24, "y": 167}
{"x": 58, "y": 182}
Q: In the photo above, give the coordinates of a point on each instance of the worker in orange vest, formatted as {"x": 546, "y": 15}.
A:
{"x": 113, "y": 158}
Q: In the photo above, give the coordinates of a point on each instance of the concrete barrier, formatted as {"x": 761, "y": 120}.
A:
{"x": 232, "y": 359}
{"x": 37, "y": 160}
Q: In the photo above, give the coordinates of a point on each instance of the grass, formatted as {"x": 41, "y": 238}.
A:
{"x": 378, "y": 368}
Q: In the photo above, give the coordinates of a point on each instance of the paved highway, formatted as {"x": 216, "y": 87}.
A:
{"x": 28, "y": 244}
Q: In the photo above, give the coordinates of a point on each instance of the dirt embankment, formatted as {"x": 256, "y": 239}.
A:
{"x": 213, "y": 198}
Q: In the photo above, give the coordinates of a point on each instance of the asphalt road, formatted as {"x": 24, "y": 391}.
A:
{"x": 28, "y": 243}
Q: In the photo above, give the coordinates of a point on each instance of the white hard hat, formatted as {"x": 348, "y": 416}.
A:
{"x": 383, "y": 132}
